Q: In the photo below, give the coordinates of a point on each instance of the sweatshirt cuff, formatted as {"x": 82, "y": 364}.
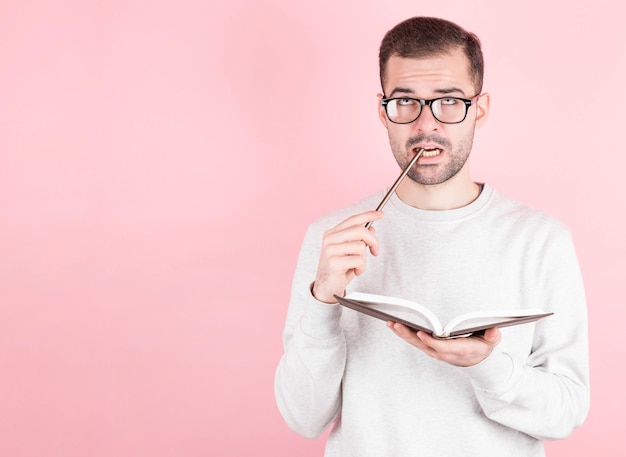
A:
{"x": 495, "y": 374}
{"x": 321, "y": 320}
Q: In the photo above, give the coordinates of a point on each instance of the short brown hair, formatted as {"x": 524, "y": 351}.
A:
{"x": 421, "y": 37}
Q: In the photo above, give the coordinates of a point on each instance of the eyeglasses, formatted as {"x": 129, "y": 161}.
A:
{"x": 447, "y": 110}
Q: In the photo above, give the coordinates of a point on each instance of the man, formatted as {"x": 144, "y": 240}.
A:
{"x": 456, "y": 246}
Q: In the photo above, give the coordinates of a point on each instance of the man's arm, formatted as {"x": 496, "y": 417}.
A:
{"x": 309, "y": 375}
{"x": 545, "y": 395}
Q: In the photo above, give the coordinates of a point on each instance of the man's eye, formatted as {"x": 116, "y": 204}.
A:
{"x": 448, "y": 101}
{"x": 405, "y": 101}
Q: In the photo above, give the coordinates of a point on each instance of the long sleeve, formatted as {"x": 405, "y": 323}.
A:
{"x": 386, "y": 397}
{"x": 547, "y": 394}
{"x": 309, "y": 375}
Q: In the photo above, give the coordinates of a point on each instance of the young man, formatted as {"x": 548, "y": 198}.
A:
{"x": 456, "y": 246}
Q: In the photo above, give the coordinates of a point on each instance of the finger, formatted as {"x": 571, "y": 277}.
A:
{"x": 340, "y": 258}
{"x": 436, "y": 347}
{"x": 459, "y": 351}
{"x": 347, "y": 249}
{"x": 357, "y": 220}
{"x": 374, "y": 248}
{"x": 406, "y": 334}
{"x": 344, "y": 265}
{"x": 492, "y": 336}
{"x": 353, "y": 234}
{"x": 446, "y": 349}
{"x": 358, "y": 264}
{"x": 350, "y": 232}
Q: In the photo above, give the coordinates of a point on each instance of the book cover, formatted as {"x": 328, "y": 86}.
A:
{"x": 418, "y": 317}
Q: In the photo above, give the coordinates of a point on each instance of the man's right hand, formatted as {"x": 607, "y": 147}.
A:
{"x": 344, "y": 255}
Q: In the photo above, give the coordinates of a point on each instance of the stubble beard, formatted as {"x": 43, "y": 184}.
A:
{"x": 436, "y": 173}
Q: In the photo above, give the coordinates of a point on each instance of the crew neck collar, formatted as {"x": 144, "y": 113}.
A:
{"x": 447, "y": 214}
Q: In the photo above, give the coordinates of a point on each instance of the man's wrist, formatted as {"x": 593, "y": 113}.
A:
{"x": 320, "y": 297}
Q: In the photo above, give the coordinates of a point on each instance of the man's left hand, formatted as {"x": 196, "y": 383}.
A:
{"x": 462, "y": 352}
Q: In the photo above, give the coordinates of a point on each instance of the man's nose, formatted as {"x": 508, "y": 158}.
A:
{"x": 426, "y": 122}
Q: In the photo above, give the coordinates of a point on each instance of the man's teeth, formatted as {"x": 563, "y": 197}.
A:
{"x": 431, "y": 152}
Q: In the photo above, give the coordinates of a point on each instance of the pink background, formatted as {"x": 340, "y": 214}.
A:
{"x": 161, "y": 160}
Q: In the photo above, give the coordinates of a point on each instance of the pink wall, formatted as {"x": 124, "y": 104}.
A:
{"x": 160, "y": 160}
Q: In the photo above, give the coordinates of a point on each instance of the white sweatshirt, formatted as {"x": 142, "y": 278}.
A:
{"x": 385, "y": 397}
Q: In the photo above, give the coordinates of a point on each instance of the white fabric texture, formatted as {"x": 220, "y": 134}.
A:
{"x": 384, "y": 397}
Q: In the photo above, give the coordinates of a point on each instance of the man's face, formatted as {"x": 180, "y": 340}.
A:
{"x": 448, "y": 145}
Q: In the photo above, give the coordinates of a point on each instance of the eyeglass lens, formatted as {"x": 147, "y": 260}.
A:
{"x": 447, "y": 110}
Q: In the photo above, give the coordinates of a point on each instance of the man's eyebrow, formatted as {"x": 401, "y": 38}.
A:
{"x": 449, "y": 90}
{"x": 401, "y": 90}
{"x": 442, "y": 91}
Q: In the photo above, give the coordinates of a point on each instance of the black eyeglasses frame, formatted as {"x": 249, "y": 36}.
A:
{"x": 468, "y": 102}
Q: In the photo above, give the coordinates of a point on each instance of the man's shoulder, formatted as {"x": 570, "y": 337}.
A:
{"x": 523, "y": 215}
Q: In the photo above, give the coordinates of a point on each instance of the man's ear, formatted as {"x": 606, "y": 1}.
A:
{"x": 381, "y": 111}
{"x": 482, "y": 109}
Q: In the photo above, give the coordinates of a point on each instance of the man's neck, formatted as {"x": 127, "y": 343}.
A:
{"x": 455, "y": 193}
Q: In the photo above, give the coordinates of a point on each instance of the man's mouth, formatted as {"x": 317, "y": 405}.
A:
{"x": 431, "y": 152}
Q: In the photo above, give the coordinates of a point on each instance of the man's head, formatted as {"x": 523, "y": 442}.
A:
{"x": 421, "y": 37}
{"x": 431, "y": 75}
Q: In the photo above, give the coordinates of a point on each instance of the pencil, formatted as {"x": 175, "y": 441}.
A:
{"x": 393, "y": 188}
